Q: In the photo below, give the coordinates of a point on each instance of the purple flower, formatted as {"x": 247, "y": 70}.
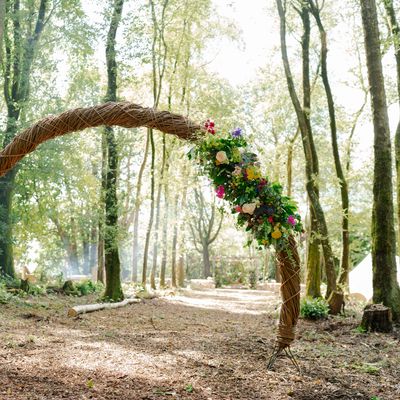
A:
{"x": 291, "y": 220}
{"x": 236, "y": 132}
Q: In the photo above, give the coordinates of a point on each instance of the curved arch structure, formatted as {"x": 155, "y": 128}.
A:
{"x": 130, "y": 115}
{"x": 125, "y": 114}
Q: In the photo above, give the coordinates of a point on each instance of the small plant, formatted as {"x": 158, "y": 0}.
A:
{"x": 5, "y": 296}
{"x": 314, "y": 309}
{"x": 360, "y": 329}
{"x": 189, "y": 388}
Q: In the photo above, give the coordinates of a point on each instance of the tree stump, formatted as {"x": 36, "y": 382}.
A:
{"x": 377, "y": 318}
{"x": 336, "y": 302}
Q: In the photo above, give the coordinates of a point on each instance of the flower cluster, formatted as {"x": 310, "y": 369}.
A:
{"x": 236, "y": 175}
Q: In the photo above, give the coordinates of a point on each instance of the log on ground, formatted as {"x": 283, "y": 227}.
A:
{"x": 87, "y": 308}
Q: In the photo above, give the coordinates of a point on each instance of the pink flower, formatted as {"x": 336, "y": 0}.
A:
{"x": 220, "y": 191}
{"x": 209, "y": 125}
{"x": 291, "y": 220}
{"x": 271, "y": 219}
{"x": 238, "y": 209}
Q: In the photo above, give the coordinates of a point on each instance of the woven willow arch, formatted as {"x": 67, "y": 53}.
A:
{"x": 129, "y": 115}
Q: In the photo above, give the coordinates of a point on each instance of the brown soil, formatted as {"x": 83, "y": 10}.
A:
{"x": 210, "y": 344}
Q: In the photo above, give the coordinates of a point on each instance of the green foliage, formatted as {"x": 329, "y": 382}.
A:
{"x": 83, "y": 288}
{"x": 5, "y": 296}
{"x": 189, "y": 388}
{"x": 314, "y": 309}
{"x": 235, "y": 173}
{"x": 230, "y": 274}
{"x": 360, "y": 329}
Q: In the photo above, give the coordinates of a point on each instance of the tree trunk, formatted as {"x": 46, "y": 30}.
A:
{"x": 6, "y": 247}
{"x": 164, "y": 238}
{"x": 303, "y": 117}
{"x": 93, "y": 248}
{"x": 345, "y": 265}
{"x": 385, "y": 286}
{"x": 112, "y": 262}
{"x": 150, "y": 223}
{"x": 157, "y": 222}
{"x": 138, "y": 202}
{"x": 174, "y": 244}
{"x": 17, "y": 62}
{"x": 206, "y": 261}
{"x": 395, "y": 31}
{"x": 313, "y": 271}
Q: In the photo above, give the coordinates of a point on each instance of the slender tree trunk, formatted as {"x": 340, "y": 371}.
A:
{"x": 150, "y": 223}
{"x": 345, "y": 265}
{"x": 17, "y": 61}
{"x": 206, "y": 261}
{"x": 138, "y": 202}
{"x": 395, "y": 31}
{"x": 158, "y": 70}
{"x": 385, "y": 286}
{"x": 303, "y": 116}
{"x": 174, "y": 271}
{"x": 313, "y": 272}
{"x": 6, "y": 245}
{"x": 181, "y": 235}
{"x": 93, "y": 248}
{"x": 102, "y": 211}
{"x": 164, "y": 240}
{"x": 112, "y": 262}
{"x": 161, "y": 184}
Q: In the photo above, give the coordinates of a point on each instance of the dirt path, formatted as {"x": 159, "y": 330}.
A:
{"x": 197, "y": 345}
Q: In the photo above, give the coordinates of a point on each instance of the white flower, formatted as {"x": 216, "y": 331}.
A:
{"x": 249, "y": 208}
{"x": 222, "y": 158}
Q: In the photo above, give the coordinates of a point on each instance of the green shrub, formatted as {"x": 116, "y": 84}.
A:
{"x": 314, "y": 309}
{"x": 86, "y": 287}
{"x": 5, "y": 296}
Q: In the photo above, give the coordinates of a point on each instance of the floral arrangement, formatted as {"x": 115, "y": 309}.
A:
{"x": 235, "y": 172}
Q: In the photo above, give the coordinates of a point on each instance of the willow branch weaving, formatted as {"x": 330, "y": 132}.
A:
{"x": 129, "y": 115}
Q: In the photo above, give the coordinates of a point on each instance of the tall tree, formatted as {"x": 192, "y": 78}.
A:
{"x": 385, "y": 286}
{"x": 303, "y": 115}
{"x": 111, "y": 254}
{"x": 159, "y": 55}
{"x": 202, "y": 223}
{"x": 20, "y": 43}
{"x": 395, "y": 33}
{"x": 345, "y": 267}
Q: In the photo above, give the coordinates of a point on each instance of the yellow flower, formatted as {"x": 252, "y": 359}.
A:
{"x": 265, "y": 241}
{"x": 276, "y": 234}
{"x": 253, "y": 173}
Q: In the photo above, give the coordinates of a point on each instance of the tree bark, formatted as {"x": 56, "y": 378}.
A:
{"x": 395, "y": 32}
{"x": 161, "y": 184}
{"x": 138, "y": 202}
{"x": 303, "y": 117}
{"x": 385, "y": 286}
{"x": 345, "y": 265}
{"x": 18, "y": 58}
{"x": 112, "y": 262}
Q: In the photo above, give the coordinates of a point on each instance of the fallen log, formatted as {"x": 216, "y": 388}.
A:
{"x": 87, "y": 308}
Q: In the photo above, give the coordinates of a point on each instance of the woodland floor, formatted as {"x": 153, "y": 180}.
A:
{"x": 211, "y": 344}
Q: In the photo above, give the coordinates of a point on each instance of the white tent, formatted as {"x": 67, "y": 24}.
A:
{"x": 360, "y": 278}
